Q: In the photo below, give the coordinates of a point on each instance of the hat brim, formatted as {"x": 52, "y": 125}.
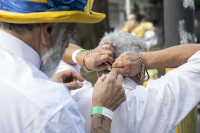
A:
{"x": 51, "y": 17}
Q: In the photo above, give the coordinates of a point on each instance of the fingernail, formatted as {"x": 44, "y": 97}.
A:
{"x": 109, "y": 69}
{"x": 80, "y": 85}
{"x": 114, "y": 44}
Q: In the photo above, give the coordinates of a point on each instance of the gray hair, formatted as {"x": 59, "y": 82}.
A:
{"x": 125, "y": 42}
{"x": 19, "y": 28}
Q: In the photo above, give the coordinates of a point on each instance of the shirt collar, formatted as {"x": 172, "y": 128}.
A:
{"x": 19, "y": 48}
{"x": 129, "y": 83}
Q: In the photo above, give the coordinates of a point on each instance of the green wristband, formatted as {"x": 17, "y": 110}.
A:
{"x": 81, "y": 49}
{"x": 103, "y": 111}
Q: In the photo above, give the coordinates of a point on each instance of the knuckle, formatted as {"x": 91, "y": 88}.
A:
{"x": 111, "y": 79}
{"x": 124, "y": 98}
{"x": 120, "y": 76}
{"x": 128, "y": 72}
{"x": 108, "y": 46}
{"x": 118, "y": 86}
{"x": 128, "y": 63}
{"x": 110, "y": 52}
{"x": 123, "y": 91}
{"x": 106, "y": 57}
{"x": 126, "y": 54}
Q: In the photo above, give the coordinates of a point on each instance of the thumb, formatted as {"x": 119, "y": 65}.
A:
{"x": 74, "y": 85}
{"x": 103, "y": 67}
{"x": 102, "y": 78}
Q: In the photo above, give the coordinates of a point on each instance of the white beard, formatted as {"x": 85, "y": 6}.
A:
{"x": 52, "y": 57}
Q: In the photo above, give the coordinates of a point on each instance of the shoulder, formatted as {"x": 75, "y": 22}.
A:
{"x": 29, "y": 81}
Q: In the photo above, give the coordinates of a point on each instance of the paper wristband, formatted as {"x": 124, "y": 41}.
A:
{"x": 75, "y": 53}
{"x": 103, "y": 111}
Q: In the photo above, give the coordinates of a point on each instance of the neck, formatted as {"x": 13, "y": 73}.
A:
{"x": 30, "y": 38}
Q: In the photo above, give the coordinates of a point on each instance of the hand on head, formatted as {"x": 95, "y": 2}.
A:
{"x": 128, "y": 64}
{"x": 99, "y": 55}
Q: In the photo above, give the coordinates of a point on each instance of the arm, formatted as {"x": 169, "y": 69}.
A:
{"x": 108, "y": 92}
{"x": 67, "y": 57}
{"x": 95, "y": 59}
{"x": 100, "y": 124}
{"x": 171, "y": 57}
{"x": 129, "y": 64}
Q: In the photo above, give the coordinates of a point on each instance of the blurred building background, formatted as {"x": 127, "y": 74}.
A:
{"x": 153, "y": 12}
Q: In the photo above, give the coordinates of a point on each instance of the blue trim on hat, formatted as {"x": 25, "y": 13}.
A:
{"x": 24, "y": 6}
{"x": 66, "y": 5}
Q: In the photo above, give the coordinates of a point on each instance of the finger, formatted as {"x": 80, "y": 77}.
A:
{"x": 108, "y": 42}
{"x": 107, "y": 52}
{"x": 121, "y": 71}
{"x": 102, "y": 78}
{"x": 118, "y": 64}
{"x": 110, "y": 48}
{"x": 74, "y": 85}
{"x": 106, "y": 58}
{"x": 77, "y": 76}
{"x": 119, "y": 78}
{"x": 103, "y": 67}
{"x": 111, "y": 75}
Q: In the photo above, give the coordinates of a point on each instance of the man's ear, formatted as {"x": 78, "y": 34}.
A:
{"x": 47, "y": 32}
{"x": 98, "y": 74}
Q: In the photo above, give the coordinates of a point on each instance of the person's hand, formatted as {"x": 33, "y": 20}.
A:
{"x": 69, "y": 78}
{"x": 128, "y": 64}
{"x": 94, "y": 60}
{"x": 108, "y": 91}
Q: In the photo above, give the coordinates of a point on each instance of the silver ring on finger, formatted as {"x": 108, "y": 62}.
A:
{"x": 105, "y": 46}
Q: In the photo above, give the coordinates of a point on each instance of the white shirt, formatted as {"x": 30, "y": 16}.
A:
{"x": 29, "y": 101}
{"x": 157, "y": 108}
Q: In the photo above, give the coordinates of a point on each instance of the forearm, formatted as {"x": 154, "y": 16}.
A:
{"x": 169, "y": 58}
{"x": 100, "y": 124}
{"x": 67, "y": 57}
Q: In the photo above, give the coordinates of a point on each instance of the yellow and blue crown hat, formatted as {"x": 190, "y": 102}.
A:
{"x": 48, "y": 11}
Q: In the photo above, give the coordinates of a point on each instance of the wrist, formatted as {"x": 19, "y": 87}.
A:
{"x": 102, "y": 111}
{"x": 103, "y": 105}
{"x": 143, "y": 55}
{"x": 79, "y": 57}
{"x": 74, "y": 54}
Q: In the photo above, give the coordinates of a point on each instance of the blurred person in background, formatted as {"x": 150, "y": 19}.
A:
{"x": 137, "y": 27}
{"x": 157, "y": 108}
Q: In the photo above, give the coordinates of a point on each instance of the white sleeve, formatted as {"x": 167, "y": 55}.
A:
{"x": 180, "y": 90}
{"x": 162, "y": 105}
{"x": 64, "y": 66}
{"x": 67, "y": 120}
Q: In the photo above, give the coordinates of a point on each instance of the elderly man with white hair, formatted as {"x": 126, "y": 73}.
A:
{"x": 33, "y": 37}
{"x": 163, "y": 103}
